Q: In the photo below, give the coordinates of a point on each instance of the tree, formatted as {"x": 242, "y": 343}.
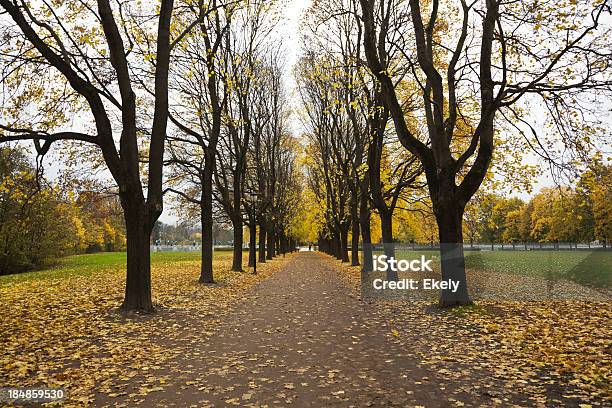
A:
{"x": 102, "y": 221}
{"x": 484, "y": 66}
{"x": 201, "y": 63}
{"x": 269, "y": 156}
{"x": 594, "y": 198}
{"x": 246, "y": 44}
{"x": 38, "y": 221}
{"x": 95, "y": 60}
{"x": 378, "y": 173}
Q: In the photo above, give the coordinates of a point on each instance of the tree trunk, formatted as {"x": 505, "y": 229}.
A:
{"x": 262, "y": 243}
{"x": 270, "y": 246}
{"x": 386, "y": 224}
{"x": 354, "y": 236}
{"x": 337, "y": 242}
{"x": 449, "y": 218}
{"x": 138, "y": 281}
{"x": 206, "y": 269}
{"x": 252, "y": 244}
{"x": 238, "y": 240}
{"x": 366, "y": 236}
{"x": 344, "y": 244}
{"x": 355, "y": 243}
{"x": 281, "y": 244}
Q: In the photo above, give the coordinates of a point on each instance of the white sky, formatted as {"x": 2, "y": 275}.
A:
{"x": 293, "y": 14}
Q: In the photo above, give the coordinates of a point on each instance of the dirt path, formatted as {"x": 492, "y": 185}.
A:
{"x": 303, "y": 338}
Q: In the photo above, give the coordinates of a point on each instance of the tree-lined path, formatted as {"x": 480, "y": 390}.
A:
{"x": 302, "y": 337}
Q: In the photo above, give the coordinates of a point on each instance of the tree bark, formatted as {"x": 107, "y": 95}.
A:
{"x": 238, "y": 241}
{"x": 386, "y": 224}
{"x": 344, "y": 256}
{"x": 354, "y": 235}
{"x": 449, "y": 217}
{"x": 138, "y": 281}
{"x": 270, "y": 246}
{"x": 262, "y": 243}
{"x": 252, "y": 244}
{"x": 366, "y": 236}
{"x": 206, "y": 269}
{"x": 337, "y": 243}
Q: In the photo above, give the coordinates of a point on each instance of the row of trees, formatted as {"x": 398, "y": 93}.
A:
{"x": 40, "y": 222}
{"x": 231, "y": 155}
{"x": 582, "y": 214}
{"x": 178, "y": 88}
{"x": 399, "y": 95}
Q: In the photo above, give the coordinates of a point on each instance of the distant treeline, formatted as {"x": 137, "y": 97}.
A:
{"x": 578, "y": 215}
{"x": 186, "y": 233}
{"x": 41, "y": 221}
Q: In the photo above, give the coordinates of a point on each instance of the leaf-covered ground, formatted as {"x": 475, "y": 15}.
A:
{"x": 297, "y": 334}
{"x": 60, "y": 328}
{"x": 543, "y": 353}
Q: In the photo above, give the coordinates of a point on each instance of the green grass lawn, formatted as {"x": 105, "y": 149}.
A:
{"x": 592, "y": 268}
{"x": 88, "y": 264}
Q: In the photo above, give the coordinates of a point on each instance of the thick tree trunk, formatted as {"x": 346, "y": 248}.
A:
{"x": 281, "y": 244}
{"x": 449, "y": 218}
{"x": 386, "y": 224}
{"x": 252, "y": 244}
{"x": 354, "y": 237}
{"x": 344, "y": 256}
{"x": 337, "y": 243}
{"x": 238, "y": 241}
{"x": 270, "y": 246}
{"x": 366, "y": 236}
{"x": 138, "y": 281}
{"x": 262, "y": 243}
{"x": 206, "y": 269}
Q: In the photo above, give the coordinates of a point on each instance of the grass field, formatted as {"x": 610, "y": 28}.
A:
{"x": 84, "y": 265}
{"x": 593, "y": 268}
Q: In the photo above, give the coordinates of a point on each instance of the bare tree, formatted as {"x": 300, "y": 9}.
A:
{"x": 474, "y": 62}
{"x": 247, "y": 41}
{"x": 198, "y": 115}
